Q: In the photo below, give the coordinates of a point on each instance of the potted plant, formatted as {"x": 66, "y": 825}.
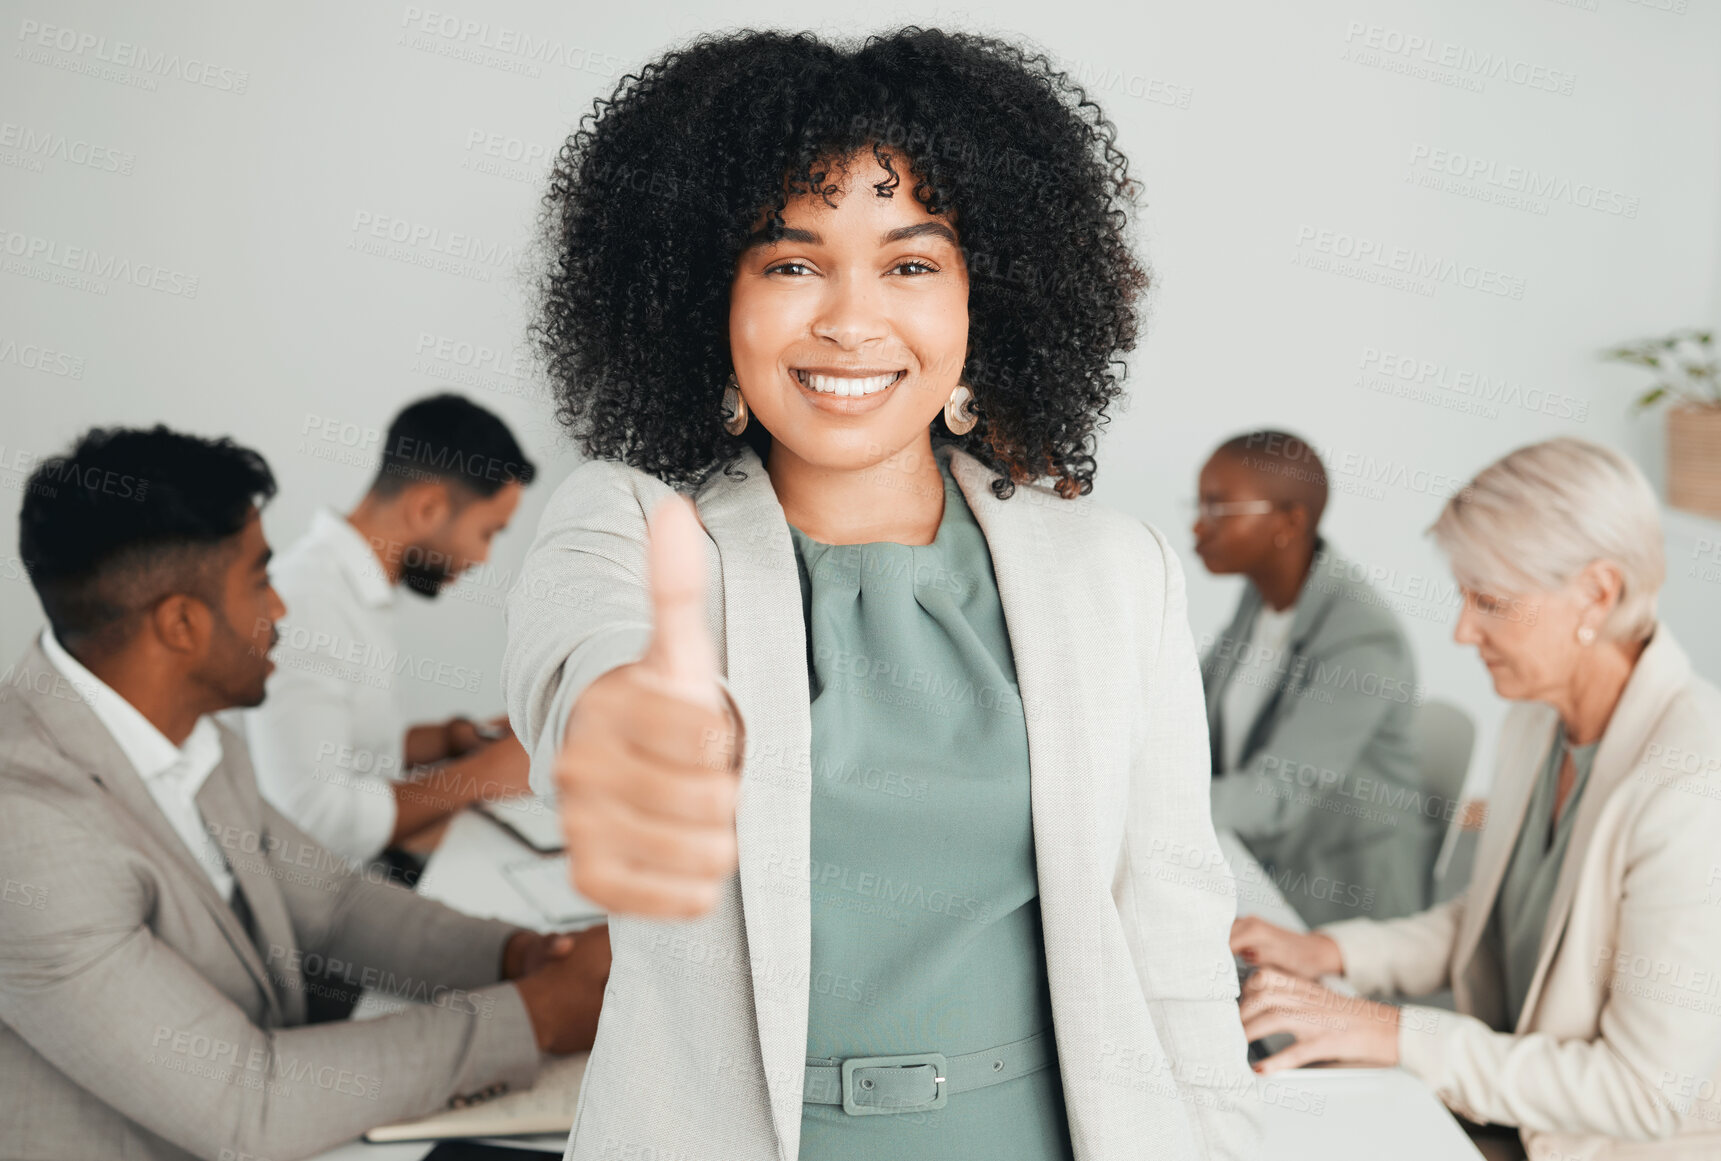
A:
{"x": 1688, "y": 379}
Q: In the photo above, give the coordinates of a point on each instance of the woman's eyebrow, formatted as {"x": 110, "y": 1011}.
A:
{"x": 760, "y": 237}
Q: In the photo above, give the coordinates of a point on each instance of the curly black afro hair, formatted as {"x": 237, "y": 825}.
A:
{"x": 653, "y": 195}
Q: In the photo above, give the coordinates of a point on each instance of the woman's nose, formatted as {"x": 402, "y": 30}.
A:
{"x": 851, "y": 314}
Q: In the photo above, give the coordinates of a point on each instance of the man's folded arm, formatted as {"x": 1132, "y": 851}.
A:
{"x": 389, "y": 937}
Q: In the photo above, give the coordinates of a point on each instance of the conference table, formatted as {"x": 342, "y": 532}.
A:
{"x": 1312, "y": 1114}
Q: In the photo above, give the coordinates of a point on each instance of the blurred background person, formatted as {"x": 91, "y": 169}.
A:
{"x": 332, "y": 748}
{"x": 156, "y": 971}
{"x": 1311, "y": 694}
{"x": 1582, "y": 956}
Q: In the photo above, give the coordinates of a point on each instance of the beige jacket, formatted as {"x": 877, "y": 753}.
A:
{"x": 141, "y": 1019}
{"x": 1618, "y": 1051}
{"x": 701, "y": 1046}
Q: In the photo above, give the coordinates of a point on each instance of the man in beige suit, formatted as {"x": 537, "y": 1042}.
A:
{"x": 161, "y": 925}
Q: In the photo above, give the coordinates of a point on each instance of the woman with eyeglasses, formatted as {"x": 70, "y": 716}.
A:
{"x": 863, "y": 305}
{"x": 1311, "y": 691}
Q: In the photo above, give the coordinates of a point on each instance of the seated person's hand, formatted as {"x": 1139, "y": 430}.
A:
{"x": 1327, "y": 1026}
{"x": 564, "y": 992}
{"x": 528, "y": 951}
{"x": 1269, "y": 945}
{"x": 465, "y": 735}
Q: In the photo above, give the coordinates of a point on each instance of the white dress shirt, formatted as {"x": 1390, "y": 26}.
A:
{"x": 1253, "y": 680}
{"x": 172, "y": 774}
{"x": 328, "y": 740}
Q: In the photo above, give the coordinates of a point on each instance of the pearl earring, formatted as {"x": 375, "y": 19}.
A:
{"x": 734, "y": 410}
{"x": 1586, "y": 635}
{"x": 959, "y": 415}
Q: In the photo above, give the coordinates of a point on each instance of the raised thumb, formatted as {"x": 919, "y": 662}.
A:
{"x": 681, "y": 652}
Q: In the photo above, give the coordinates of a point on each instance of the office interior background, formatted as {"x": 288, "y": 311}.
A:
{"x": 1402, "y": 229}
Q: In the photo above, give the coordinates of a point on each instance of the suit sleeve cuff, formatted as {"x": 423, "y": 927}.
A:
{"x": 1352, "y": 936}
{"x": 1424, "y": 1042}
{"x": 505, "y": 1048}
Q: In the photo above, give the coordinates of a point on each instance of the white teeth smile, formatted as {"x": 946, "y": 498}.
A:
{"x": 844, "y": 385}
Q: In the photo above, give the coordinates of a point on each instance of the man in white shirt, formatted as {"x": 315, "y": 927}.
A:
{"x": 163, "y": 928}
{"x": 1311, "y": 695}
{"x": 333, "y": 749}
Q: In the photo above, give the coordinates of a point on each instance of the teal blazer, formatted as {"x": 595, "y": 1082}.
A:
{"x": 1327, "y": 794}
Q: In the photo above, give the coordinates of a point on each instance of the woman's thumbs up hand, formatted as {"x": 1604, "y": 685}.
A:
{"x": 646, "y": 775}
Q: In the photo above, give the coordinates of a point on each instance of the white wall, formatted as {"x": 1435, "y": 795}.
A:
{"x": 1253, "y": 125}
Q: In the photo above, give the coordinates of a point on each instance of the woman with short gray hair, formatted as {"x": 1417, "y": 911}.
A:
{"x": 1582, "y": 956}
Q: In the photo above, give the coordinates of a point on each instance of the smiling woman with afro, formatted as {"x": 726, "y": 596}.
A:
{"x": 652, "y": 199}
{"x": 835, "y": 325}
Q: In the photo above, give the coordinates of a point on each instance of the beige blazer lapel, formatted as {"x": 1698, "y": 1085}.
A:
{"x": 91, "y": 750}
{"x": 1662, "y": 668}
{"x": 226, "y": 814}
{"x": 765, "y": 652}
{"x": 1053, "y": 631}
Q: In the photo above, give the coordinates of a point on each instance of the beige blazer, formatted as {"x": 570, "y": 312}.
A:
{"x": 1617, "y": 1053}
{"x": 702, "y": 1041}
{"x": 139, "y": 1018}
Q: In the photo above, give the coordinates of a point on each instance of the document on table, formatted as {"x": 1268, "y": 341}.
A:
{"x": 543, "y": 883}
{"x": 547, "y": 1107}
{"x": 532, "y": 820}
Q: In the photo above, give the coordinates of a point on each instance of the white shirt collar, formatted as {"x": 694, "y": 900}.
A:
{"x": 144, "y": 746}
{"x": 355, "y": 556}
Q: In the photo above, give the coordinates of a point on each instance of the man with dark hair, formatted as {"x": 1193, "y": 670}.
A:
{"x": 161, "y": 921}
{"x": 1311, "y": 693}
{"x": 334, "y": 752}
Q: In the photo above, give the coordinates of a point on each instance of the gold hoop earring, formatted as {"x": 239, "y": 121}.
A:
{"x": 959, "y": 414}
{"x": 734, "y": 410}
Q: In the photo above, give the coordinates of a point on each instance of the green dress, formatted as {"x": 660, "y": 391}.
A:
{"x": 925, "y": 905}
{"x": 1527, "y": 891}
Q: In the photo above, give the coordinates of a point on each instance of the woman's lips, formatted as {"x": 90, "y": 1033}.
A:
{"x": 845, "y": 404}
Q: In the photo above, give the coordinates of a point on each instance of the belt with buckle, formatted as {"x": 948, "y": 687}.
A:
{"x": 917, "y": 1081}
